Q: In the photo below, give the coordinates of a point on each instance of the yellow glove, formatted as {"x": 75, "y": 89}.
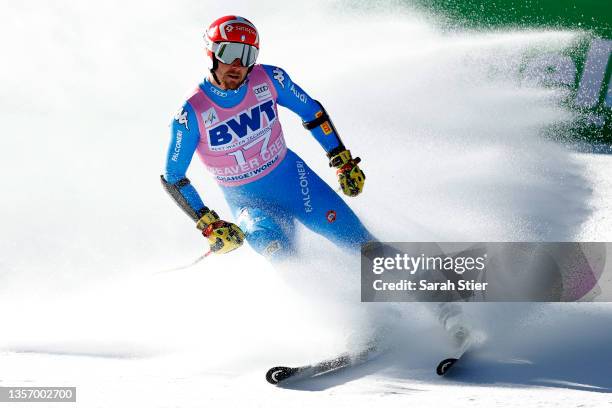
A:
{"x": 222, "y": 236}
{"x": 350, "y": 176}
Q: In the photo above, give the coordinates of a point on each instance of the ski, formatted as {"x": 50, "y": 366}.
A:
{"x": 279, "y": 374}
{"x": 462, "y": 338}
{"x": 445, "y": 365}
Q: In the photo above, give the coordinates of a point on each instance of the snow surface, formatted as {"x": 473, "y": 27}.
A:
{"x": 450, "y": 145}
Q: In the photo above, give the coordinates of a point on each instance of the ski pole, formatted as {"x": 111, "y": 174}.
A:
{"x": 198, "y": 260}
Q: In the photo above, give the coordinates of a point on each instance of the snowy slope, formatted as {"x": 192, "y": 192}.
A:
{"x": 450, "y": 145}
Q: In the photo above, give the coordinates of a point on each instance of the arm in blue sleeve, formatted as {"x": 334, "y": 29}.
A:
{"x": 185, "y": 136}
{"x": 293, "y": 97}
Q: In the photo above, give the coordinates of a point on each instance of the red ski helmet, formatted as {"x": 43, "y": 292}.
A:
{"x": 231, "y": 37}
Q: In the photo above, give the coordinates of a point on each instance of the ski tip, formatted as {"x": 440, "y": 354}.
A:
{"x": 277, "y": 374}
{"x": 445, "y": 365}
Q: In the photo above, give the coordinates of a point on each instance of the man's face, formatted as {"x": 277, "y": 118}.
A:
{"x": 231, "y": 75}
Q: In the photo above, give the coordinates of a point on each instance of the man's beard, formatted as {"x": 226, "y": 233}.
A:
{"x": 232, "y": 83}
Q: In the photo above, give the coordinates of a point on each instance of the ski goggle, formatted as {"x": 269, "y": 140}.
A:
{"x": 227, "y": 52}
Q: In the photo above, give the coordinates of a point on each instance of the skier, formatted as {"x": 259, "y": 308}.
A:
{"x": 232, "y": 121}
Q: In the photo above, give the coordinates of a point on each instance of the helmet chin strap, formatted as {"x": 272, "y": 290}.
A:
{"x": 212, "y": 71}
{"x": 214, "y": 68}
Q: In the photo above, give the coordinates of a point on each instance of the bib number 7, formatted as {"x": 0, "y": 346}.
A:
{"x": 239, "y": 154}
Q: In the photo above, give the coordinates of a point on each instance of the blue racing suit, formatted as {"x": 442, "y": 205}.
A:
{"x": 266, "y": 209}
